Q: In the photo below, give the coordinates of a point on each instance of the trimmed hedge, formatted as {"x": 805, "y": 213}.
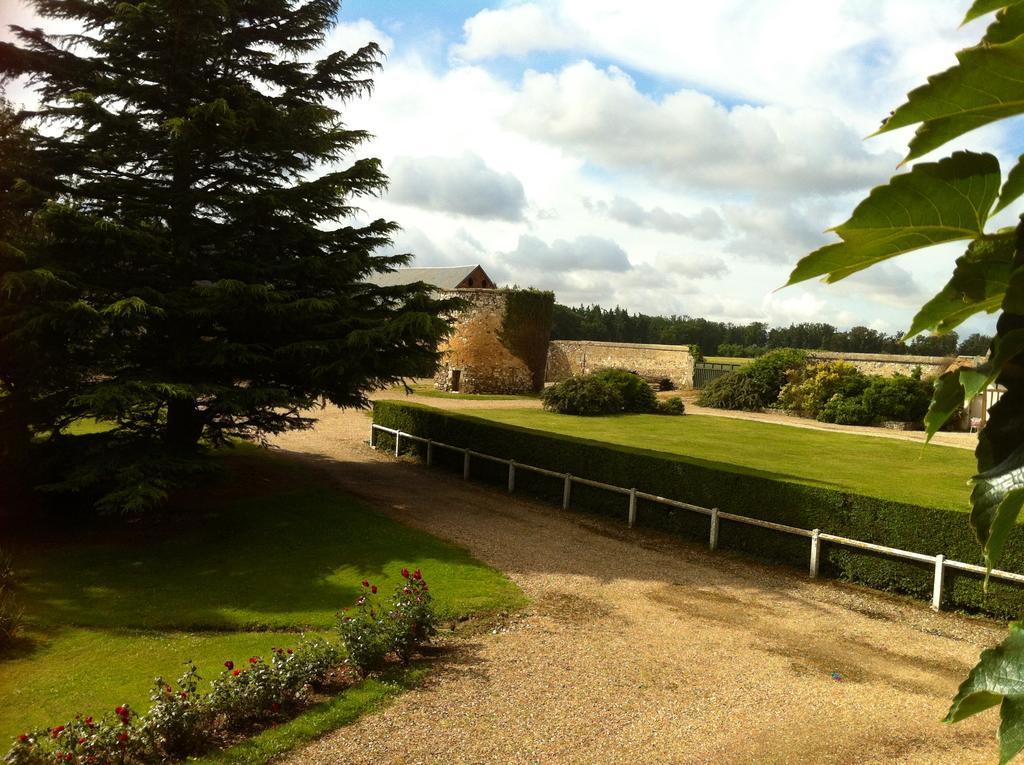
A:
{"x": 711, "y": 484}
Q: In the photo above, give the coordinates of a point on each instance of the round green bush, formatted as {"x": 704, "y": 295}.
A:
{"x": 755, "y": 386}
{"x": 610, "y": 391}
{"x": 671, "y": 406}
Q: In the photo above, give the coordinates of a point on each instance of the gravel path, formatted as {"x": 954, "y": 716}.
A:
{"x": 640, "y": 649}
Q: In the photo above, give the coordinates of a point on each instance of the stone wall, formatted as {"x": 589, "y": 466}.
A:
{"x": 574, "y": 357}
{"x": 887, "y": 365}
{"x": 484, "y": 355}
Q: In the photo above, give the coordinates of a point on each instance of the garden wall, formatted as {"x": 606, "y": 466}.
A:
{"x": 567, "y": 358}
{"x": 498, "y": 343}
{"x": 751, "y": 493}
{"x": 886, "y": 365}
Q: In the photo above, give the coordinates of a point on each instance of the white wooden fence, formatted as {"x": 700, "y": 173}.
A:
{"x": 817, "y": 536}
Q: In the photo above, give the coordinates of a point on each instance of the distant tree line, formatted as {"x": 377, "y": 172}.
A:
{"x": 727, "y": 339}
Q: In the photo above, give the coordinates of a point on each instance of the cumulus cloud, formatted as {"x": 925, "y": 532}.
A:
{"x": 706, "y": 224}
{"x": 694, "y": 266}
{"x": 691, "y": 140}
{"x": 777, "y": 234}
{"x": 584, "y": 253}
{"x": 463, "y": 185}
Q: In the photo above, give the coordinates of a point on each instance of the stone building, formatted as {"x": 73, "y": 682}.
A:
{"x": 499, "y": 339}
{"x": 567, "y": 358}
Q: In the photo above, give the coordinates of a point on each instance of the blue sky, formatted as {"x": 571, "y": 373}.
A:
{"x": 666, "y": 157}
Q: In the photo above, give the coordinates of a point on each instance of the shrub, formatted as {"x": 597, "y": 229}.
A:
{"x": 412, "y": 615}
{"x": 696, "y": 353}
{"x": 756, "y": 385}
{"x": 749, "y": 493}
{"x": 900, "y": 398}
{"x": 637, "y": 395}
{"x": 845, "y": 411}
{"x": 665, "y": 384}
{"x": 179, "y": 721}
{"x": 671, "y": 406}
{"x": 609, "y": 391}
{"x": 366, "y": 633}
{"x": 809, "y": 388}
{"x": 582, "y": 395}
{"x": 373, "y": 631}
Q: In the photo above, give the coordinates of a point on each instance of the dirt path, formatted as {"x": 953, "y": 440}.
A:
{"x": 639, "y": 649}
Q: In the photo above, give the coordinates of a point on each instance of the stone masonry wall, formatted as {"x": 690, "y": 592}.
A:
{"x": 476, "y": 352}
{"x": 573, "y": 357}
{"x": 888, "y": 365}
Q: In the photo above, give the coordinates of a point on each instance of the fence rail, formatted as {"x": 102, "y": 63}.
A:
{"x": 817, "y": 536}
{"x": 705, "y": 372}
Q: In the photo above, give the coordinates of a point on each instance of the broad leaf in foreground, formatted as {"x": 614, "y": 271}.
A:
{"x": 998, "y": 678}
{"x": 985, "y": 86}
{"x": 936, "y": 202}
{"x": 1013, "y": 187}
{"x": 979, "y": 283}
{"x": 981, "y": 7}
{"x": 996, "y": 500}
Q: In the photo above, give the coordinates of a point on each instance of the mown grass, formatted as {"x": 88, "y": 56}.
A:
{"x": 272, "y": 549}
{"x": 904, "y": 471}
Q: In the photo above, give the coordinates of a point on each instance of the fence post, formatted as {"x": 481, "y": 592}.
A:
{"x": 373, "y": 436}
{"x": 940, "y": 570}
{"x": 398, "y": 439}
{"x": 511, "y": 476}
{"x": 430, "y": 452}
{"x": 815, "y": 552}
{"x": 566, "y": 491}
{"x": 465, "y": 465}
{"x": 632, "y": 507}
{"x": 713, "y": 540}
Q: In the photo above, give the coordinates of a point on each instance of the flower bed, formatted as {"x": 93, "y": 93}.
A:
{"x": 185, "y": 720}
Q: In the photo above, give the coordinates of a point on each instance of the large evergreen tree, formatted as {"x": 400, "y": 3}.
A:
{"x": 195, "y": 275}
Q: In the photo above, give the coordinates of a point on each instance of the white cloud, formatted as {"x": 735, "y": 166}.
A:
{"x": 464, "y": 185}
{"x": 584, "y": 253}
{"x": 689, "y": 139}
{"x": 705, "y": 224}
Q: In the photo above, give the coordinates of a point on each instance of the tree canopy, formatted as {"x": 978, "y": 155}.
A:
{"x": 196, "y": 270}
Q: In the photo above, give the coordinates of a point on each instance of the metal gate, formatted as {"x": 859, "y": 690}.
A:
{"x": 704, "y": 372}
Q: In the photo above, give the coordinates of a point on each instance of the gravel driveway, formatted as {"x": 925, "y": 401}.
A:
{"x": 640, "y": 649}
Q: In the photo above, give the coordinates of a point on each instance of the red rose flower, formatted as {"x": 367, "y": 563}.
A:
{"x": 89, "y": 722}
{"x": 254, "y": 659}
{"x": 236, "y": 673}
{"x": 290, "y": 651}
{"x": 68, "y": 757}
{"x": 374, "y": 589}
{"x": 23, "y": 738}
{"x": 405, "y": 573}
{"x": 122, "y": 737}
{"x": 416, "y": 574}
{"x": 365, "y": 583}
{"x": 82, "y": 739}
{"x": 275, "y": 707}
{"x": 120, "y": 711}
{"x": 229, "y": 664}
{"x": 183, "y": 695}
{"x": 57, "y": 731}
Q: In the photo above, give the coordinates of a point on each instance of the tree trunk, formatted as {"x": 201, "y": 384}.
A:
{"x": 184, "y": 425}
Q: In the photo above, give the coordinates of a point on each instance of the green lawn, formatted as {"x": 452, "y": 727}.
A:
{"x": 933, "y": 476}
{"x": 272, "y": 548}
{"x": 727, "y": 359}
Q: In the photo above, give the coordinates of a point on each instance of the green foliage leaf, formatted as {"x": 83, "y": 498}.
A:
{"x": 998, "y": 677}
{"x": 1013, "y": 300}
{"x": 981, "y": 7}
{"x": 979, "y": 283}
{"x": 996, "y": 500}
{"x": 1009, "y": 24}
{"x": 948, "y": 398}
{"x": 935, "y": 202}
{"x": 985, "y": 86}
{"x": 1013, "y": 187}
